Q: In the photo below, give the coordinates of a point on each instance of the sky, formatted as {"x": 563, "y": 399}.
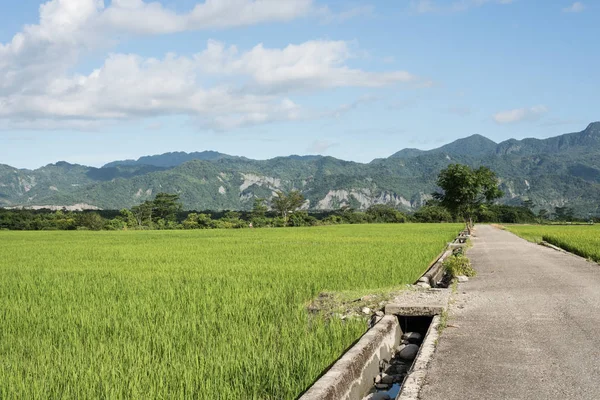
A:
{"x": 91, "y": 81}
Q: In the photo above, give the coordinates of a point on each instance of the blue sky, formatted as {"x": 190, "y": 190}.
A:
{"x": 90, "y": 81}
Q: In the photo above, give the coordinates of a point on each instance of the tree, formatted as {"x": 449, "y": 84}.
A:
{"x": 381, "y": 213}
{"x": 166, "y": 206}
{"x": 143, "y": 213}
{"x": 92, "y": 221}
{"x": 301, "y": 218}
{"x": 564, "y": 213}
{"x": 259, "y": 208}
{"x": 432, "y": 213}
{"x": 258, "y": 215}
{"x": 285, "y": 204}
{"x": 465, "y": 189}
{"x": 128, "y": 217}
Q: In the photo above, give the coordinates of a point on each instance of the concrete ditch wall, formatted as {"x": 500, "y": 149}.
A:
{"x": 435, "y": 273}
{"x": 414, "y": 379}
{"x": 352, "y": 375}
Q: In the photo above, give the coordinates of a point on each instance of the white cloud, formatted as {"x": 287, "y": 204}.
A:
{"x": 520, "y": 114}
{"x": 151, "y": 18}
{"x": 576, "y": 7}
{"x": 436, "y": 6}
{"x": 129, "y": 86}
{"x": 221, "y": 86}
{"x": 313, "y": 64}
{"x": 68, "y": 27}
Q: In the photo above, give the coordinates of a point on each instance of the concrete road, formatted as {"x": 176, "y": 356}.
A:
{"x": 527, "y": 327}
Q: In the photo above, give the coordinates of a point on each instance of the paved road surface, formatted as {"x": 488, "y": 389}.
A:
{"x": 527, "y": 327}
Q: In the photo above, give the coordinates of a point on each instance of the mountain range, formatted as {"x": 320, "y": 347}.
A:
{"x": 558, "y": 171}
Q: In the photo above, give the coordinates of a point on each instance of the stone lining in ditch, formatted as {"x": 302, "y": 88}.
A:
{"x": 388, "y": 383}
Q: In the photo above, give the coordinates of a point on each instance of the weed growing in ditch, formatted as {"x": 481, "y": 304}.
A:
{"x": 458, "y": 264}
{"x": 189, "y": 314}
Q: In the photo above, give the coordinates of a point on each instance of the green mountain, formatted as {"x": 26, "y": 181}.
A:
{"x": 475, "y": 145}
{"x": 170, "y": 159}
{"x": 559, "y": 171}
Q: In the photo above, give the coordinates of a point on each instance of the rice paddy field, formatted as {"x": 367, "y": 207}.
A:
{"x": 583, "y": 240}
{"x": 216, "y": 314}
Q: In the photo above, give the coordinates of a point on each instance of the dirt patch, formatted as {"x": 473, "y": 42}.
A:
{"x": 352, "y": 304}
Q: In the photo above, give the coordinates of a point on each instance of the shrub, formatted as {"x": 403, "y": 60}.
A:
{"x": 457, "y": 265}
{"x": 432, "y": 214}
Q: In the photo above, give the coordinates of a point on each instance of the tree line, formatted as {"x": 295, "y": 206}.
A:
{"x": 465, "y": 194}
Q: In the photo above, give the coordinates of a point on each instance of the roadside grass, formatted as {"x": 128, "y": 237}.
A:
{"x": 191, "y": 314}
{"x": 583, "y": 240}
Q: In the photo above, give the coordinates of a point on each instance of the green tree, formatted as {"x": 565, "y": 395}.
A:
{"x": 259, "y": 208}
{"x": 564, "y": 214}
{"x": 285, "y": 204}
{"x": 143, "y": 213}
{"x": 166, "y": 206}
{"x": 258, "y": 216}
{"x": 302, "y": 218}
{"x": 381, "y": 213}
{"x": 191, "y": 222}
{"x": 432, "y": 213}
{"x": 92, "y": 221}
{"x": 465, "y": 189}
{"x": 128, "y": 217}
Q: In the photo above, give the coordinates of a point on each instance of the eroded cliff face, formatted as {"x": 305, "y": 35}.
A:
{"x": 365, "y": 198}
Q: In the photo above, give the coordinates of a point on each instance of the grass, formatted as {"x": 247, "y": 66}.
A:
{"x": 189, "y": 314}
{"x": 578, "y": 239}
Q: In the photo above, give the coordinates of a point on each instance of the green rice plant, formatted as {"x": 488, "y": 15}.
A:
{"x": 189, "y": 314}
{"x": 583, "y": 240}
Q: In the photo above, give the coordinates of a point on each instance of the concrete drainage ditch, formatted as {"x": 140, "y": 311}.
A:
{"x": 384, "y": 364}
{"x": 392, "y": 372}
{"x": 389, "y": 361}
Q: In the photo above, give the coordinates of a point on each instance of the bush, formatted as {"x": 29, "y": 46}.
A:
{"x": 432, "y": 214}
{"x": 301, "y": 218}
{"x": 385, "y": 214}
{"x": 458, "y": 264}
{"x": 333, "y": 220}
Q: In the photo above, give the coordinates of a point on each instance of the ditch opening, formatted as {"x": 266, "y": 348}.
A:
{"x": 392, "y": 373}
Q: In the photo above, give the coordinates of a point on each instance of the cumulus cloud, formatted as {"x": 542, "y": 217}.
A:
{"x": 129, "y": 85}
{"x": 153, "y": 18}
{"x": 576, "y": 7}
{"x": 520, "y": 114}
{"x": 221, "y": 86}
{"x": 313, "y": 64}
{"x": 435, "y": 6}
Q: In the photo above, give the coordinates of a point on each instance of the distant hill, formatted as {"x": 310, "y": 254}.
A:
{"x": 408, "y": 153}
{"x": 475, "y": 145}
{"x": 170, "y": 159}
{"x": 558, "y": 171}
